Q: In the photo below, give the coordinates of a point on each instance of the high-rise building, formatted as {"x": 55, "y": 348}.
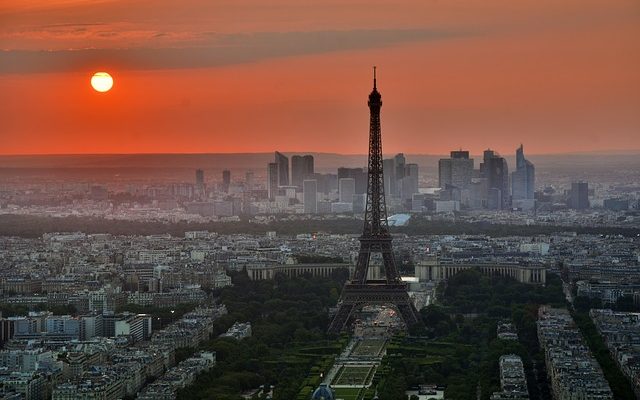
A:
{"x": 455, "y": 171}
{"x": 358, "y": 174}
{"x": 248, "y": 180}
{"x": 301, "y": 169}
{"x": 346, "y": 189}
{"x": 408, "y": 184}
{"x": 399, "y": 161}
{"x": 226, "y": 180}
{"x": 310, "y": 195}
{"x": 395, "y": 171}
{"x": 199, "y": 177}
{"x": 272, "y": 180}
{"x": 389, "y": 171}
{"x": 523, "y": 181}
{"x": 495, "y": 170}
{"x": 326, "y": 182}
{"x": 199, "y": 187}
{"x": 579, "y": 196}
{"x": 283, "y": 169}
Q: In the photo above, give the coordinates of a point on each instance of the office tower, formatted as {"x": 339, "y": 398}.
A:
{"x": 199, "y": 188}
{"x": 296, "y": 171}
{"x": 272, "y": 180}
{"x": 301, "y": 169}
{"x": 455, "y": 171}
{"x": 248, "y": 180}
{"x": 523, "y": 182}
{"x": 408, "y": 184}
{"x": 399, "y": 161}
{"x": 310, "y": 194}
{"x": 283, "y": 169}
{"x": 495, "y": 170}
{"x": 226, "y": 180}
{"x": 358, "y": 174}
{"x": 616, "y": 204}
{"x": 411, "y": 174}
{"x": 389, "y": 171}
{"x": 395, "y": 170}
{"x": 199, "y": 177}
{"x": 327, "y": 183}
{"x": 523, "y": 178}
{"x": 445, "y": 167}
{"x": 346, "y": 189}
{"x": 579, "y": 196}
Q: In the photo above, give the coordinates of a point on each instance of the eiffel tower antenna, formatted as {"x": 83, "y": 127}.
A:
{"x": 360, "y": 291}
{"x": 374, "y": 77}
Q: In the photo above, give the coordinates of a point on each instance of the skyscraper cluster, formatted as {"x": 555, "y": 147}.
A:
{"x": 400, "y": 178}
{"x": 278, "y": 181}
{"x": 490, "y": 186}
{"x": 344, "y": 192}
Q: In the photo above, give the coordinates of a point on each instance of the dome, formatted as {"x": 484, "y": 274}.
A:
{"x": 323, "y": 392}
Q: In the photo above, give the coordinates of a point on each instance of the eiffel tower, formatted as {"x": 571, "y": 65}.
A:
{"x": 360, "y": 291}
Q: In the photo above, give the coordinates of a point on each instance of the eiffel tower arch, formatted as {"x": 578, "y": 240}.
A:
{"x": 359, "y": 291}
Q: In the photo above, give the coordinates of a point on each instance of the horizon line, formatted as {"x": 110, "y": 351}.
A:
{"x": 582, "y": 152}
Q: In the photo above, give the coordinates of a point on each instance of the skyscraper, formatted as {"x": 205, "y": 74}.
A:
{"x": 199, "y": 188}
{"x": 523, "y": 181}
{"x": 396, "y": 170}
{"x": 248, "y": 180}
{"x": 408, "y": 184}
{"x": 495, "y": 170}
{"x": 301, "y": 169}
{"x": 272, "y": 180}
{"x": 283, "y": 169}
{"x": 199, "y": 177}
{"x": 579, "y": 196}
{"x": 455, "y": 171}
{"x": 310, "y": 194}
{"x": 358, "y": 174}
{"x": 226, "y": 180}
{"x": 399, "y": 161}
{"x": 389, "y": 168}
{"x": 346, "y": 189}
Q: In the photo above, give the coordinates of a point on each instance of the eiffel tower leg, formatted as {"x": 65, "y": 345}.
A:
{"x": 340, "y": 319}
{"x": 409, "y": 314}
{"x": 362, "y": 266}
{"x": 392, "y": 275}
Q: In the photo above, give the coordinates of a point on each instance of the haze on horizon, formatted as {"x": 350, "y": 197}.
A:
{"x": 246, "y": 76}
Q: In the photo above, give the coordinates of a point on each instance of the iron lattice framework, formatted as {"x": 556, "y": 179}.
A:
{"x": 375, "y": 238}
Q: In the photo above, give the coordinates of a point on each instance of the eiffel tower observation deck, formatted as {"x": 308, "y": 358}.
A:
{"x": 359, "y": 291}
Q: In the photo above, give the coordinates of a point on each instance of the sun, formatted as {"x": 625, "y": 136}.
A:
{"x": 102, "y": 82}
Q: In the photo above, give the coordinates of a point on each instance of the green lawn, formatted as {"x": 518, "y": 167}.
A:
{"x": 369, "y": 347}
{"x": 352, "y": 375}
{"x": 348, "y": 393}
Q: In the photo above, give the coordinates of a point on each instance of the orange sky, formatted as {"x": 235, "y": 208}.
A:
{"x": 294, "y": 75}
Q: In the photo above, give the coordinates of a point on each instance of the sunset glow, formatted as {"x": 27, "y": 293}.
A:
{"x": 199, "y": 76}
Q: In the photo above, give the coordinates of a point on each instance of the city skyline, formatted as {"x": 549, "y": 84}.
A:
{"x": 186, "y": 78}
{"x": 188, "y": 209}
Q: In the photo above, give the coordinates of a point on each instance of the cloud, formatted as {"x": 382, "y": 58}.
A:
{"x": 212, "y": 50}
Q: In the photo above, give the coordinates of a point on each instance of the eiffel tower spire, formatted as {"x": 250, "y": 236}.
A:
{"x": 375, "y": 239}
